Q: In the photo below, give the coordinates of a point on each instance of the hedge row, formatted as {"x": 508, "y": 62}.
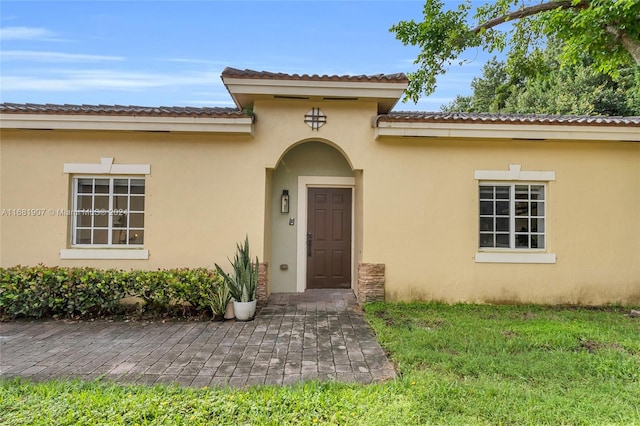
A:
{"x": 41, "y": 291}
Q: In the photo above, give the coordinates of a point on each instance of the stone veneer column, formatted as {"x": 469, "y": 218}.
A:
{"x": 263, "y": 279}
{"x": 370, "y": 286}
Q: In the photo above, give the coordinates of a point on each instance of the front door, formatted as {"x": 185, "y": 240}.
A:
{"x": 329, "y": 238}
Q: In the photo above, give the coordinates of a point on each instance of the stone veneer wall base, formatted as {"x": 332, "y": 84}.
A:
{"x": 263, "y": 281}
{"x": 370, "y": 286}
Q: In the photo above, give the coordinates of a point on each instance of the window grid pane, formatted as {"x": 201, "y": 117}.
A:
{"x": 108, "y": 211}
{"x": 512, "y": 216}
{"x": 494, "y": 216}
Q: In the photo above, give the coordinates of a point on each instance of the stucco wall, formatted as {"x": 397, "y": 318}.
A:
{"x": 415, "y": 203}
{"x": 280, "y": 125}
{"x": 421, "y": 220}
{"x": 204, "y": 193}
{"x": 342, "y": 145}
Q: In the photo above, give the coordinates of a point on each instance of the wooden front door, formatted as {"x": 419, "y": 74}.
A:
{"x": 329, "y": 238}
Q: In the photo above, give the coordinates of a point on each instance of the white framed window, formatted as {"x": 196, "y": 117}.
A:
{"x": 512, "y": 211}
{"x": 512, "y": 216}
{"x": 108, "y": 211}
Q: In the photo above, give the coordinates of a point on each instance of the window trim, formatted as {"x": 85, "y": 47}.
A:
{"x": 105, "y": 253}
{"x": 511, "y": 257}
{"x": 105, "y": 167}
{"x": 74, "y": 217}
{"x": 514, "y": 255}
{"x": 515, "y": 174}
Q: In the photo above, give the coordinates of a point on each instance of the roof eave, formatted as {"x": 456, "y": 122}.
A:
{"x": 404, "y": 129}
{"x": 226, "y": 125}
{"x": 245, "y": 91}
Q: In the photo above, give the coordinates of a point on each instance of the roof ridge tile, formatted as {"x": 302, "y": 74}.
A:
{"x": 253, "y": 74}
{"x": 86, "y": 109}
{"x": 462, "y": 117}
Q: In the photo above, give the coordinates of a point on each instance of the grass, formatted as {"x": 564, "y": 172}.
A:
{"x": 461, "y": 364}
{"x": 519, "y": 364}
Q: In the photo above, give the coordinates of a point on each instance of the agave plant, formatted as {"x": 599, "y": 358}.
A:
{"x": 218, "y": 298}
{"x": 243, "y": 281}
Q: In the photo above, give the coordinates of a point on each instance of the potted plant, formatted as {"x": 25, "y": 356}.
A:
{"x": 228, "y": 313}
{"x": 242, "y": 282}
{"x": 218, "y": 299}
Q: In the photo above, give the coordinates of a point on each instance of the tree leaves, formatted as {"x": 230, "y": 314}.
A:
{"x": 607, "y": 30}
{"x": 553, "y": 88}
{"x": 442, "y": 37}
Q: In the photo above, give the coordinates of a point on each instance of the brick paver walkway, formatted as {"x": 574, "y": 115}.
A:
{"x": 319, "y": 334}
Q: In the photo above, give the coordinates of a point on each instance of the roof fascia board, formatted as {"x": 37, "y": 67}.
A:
{"x": 315, "y": 88}
{"x": 241, "y": 125}
{"x": 506, "y": 131}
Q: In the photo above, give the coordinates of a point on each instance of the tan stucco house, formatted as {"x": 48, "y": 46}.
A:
{"x": 334, "y": 189}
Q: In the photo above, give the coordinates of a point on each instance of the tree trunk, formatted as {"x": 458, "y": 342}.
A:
{"x": 629, "y": 43}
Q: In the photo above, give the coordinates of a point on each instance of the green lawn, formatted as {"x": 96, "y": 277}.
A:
{"x": 462, "y": 364}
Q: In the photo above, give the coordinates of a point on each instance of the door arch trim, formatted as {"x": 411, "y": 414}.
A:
{"x": 305, "y": 182}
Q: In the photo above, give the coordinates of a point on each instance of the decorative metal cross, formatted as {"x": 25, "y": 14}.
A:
{"x": 315, "y": 118}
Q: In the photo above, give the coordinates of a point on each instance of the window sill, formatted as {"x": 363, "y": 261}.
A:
{"x": 511, "y": 257}
{"x": 116, "y": 253}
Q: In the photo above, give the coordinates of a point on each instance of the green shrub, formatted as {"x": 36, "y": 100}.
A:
{"x": 154, "y": 287}
{"x": 20, "y": 293}
{"x": 195, "y": 286}
{"x": 41, "y": 291}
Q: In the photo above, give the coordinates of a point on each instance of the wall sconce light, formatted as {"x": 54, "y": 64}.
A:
{"x": 284, "y": 201}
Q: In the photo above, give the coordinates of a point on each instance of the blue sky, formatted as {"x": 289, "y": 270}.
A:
{"x": 171, "y": 53}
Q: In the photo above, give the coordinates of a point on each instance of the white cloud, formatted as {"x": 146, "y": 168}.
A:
{"x": 92, "y": 80}
{"x": 26, "y": 33}
{"x": 13, "y": 83}
{"x": 36, "y": 56}
{"x": 196, "y": 61}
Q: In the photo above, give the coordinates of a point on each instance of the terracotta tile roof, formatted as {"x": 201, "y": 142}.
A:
{"x": 66, "y": 109}
{"x": 396, "y": 116}
{"x": 486, "y": 118}
{"x": 265, "y": 75}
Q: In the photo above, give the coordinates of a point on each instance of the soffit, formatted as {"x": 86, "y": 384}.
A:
{"x": 246, "y": 86}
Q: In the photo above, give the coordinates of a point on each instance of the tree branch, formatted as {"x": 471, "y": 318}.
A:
{"x": 629, "y": 43}
{"x": 529, "y": 11}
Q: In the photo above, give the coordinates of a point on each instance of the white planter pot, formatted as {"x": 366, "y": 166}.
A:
{"x": 244, "y": 311}
{"x": 229, "y": 312}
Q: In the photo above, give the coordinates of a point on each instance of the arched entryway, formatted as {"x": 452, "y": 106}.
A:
{"x": 312, "y": 244}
